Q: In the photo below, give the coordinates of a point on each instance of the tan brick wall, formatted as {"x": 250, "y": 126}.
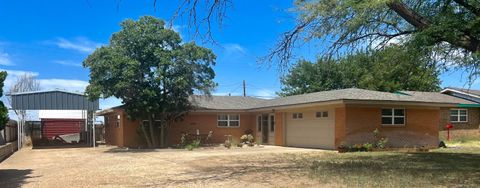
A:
{"x": 473, "y": 119}
{"x": 421, "y": 128}
{"x": 340, "y": 125}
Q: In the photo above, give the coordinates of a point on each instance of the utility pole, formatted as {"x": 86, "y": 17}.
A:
{"x": 244, "y": 90}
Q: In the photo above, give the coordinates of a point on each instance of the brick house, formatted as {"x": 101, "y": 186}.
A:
{"x": 464, "y": 116}
{"x": 315, "y": 120}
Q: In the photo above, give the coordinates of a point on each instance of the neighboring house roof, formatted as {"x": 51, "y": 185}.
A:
{"x": 354, "y": 94}
{"x": 470, "y": 92}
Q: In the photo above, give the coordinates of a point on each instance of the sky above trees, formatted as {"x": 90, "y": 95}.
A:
{"x": 51, "y": 40}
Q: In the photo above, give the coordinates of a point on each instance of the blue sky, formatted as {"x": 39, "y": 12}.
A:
{"x": 51, "y": 40}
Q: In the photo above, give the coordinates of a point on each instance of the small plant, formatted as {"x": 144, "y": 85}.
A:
{"x": 183, "y": 140}
{"x": 368, "y": 146}
{"x": 189, "y": 147}
{"x": 228, "y": 141}
{"x": 382, "y": 143}
{"x": 247, "y": 139}
{"x": 196, "y": 143}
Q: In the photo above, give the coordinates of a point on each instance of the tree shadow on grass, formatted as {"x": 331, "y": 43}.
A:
{"x": 14, "y": 177}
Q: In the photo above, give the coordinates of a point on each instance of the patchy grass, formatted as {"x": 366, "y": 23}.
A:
{"x": 451, "y": 167}
{"x": 462, "y": 138}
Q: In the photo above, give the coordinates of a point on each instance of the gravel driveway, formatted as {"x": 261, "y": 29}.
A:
{"x": 113, "y": 167}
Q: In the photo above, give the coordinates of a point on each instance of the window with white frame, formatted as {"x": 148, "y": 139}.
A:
{"x": 393, "y": 116}
{"x": 228, "y": 120}
{"x": 297, "y": 115}
{"x": 458, "y": 115}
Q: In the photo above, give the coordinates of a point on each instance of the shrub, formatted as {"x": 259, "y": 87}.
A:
{"x": 382, "y": 143}
{"x": 247, "y": 139}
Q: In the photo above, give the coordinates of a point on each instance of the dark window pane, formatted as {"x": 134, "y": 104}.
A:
{"x": 222, "y": 117}
{"x": 399, "y": 112}
{"x": 234, "y": 117}
{"x": 453, "y": 118}
{"x": 463, "y": 118}
{"x": 234, "y": 123}
{"x": 454, "y": 112}
{"x": 386, "y": 112}
{"x": 325, "y": 114}
{"x": 294, "y": 115}
{"x": 386, "y": 120}
{"x": 463, "y": 112}
{"x": 300, "y": 115}
{"x": 318, "y": 114}
{"x": 399, "y": 121}
{"x": 222, "y": 123}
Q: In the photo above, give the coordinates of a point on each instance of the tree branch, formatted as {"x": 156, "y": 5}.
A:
{"x": 468, "y": 6}
{"x": 408, "y": 14}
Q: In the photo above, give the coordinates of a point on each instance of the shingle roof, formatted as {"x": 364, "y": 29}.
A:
{"x": 362, "y": 94}
{"x": 469, "y": 91}
{"x": 246, "y": 103}
{"x": 226, "y": 102}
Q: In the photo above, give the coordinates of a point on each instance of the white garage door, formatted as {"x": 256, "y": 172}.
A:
{"x": 311, "y": 131}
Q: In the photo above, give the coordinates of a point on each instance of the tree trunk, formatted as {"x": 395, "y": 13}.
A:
{"x": 145, "y": 135}
{"x": 152, "y": 131}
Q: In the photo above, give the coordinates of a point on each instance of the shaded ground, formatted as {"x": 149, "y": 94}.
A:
{"x": 253, "y": 167}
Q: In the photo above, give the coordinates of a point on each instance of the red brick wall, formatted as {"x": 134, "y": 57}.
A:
{"x": 421, "y": 128}
{"x": 206, "y": 122}
{"x": 473, "y": 119}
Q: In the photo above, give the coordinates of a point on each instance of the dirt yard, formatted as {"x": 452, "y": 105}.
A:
{"x": 112, "y": 167}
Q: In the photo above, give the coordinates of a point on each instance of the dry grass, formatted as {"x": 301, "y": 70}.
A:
{"x": 257, "y": 167}
{"x": 457, "y": 166}
{"x": 462, "y": 138}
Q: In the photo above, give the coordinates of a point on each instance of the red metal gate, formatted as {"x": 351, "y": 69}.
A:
{"x": 56, "y": 127}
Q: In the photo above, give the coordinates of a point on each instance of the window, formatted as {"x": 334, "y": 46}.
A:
{"x": 272, "y": 123}
{"x": 228, "y": 120}
{"x": 393, "y": 116}
{"x": 297, "y": 115}
{"x": 321, "y": 114}
{"x": 458, "y": 115}
{"x": 117, "y": 124}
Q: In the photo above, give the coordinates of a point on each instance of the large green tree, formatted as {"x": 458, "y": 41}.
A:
{"x": 3, "y": 110}
{"x": 153, "y": 72}
{"x": 391, "y": 69}
{"x": 449, "y": 28}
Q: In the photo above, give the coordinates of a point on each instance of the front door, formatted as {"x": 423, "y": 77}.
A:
{"x": 266, "y": 128}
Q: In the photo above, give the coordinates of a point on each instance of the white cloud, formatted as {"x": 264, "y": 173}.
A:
{"x": 68, "y": 63}
{"x": 45, "y": 84}
{"x": 79, "y": 44}
{"x": 233, "y": 48}
{"x": 63, "y": 84}
{"x": 265, "y": 93}
{"x": 5, "y": 59}
{"x": 12, "y": 76}
{"x": 109, "y": 102}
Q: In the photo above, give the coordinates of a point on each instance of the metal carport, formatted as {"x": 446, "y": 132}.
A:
{"x": 56, "y": 100}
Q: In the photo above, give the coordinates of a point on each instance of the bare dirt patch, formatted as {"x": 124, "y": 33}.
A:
{"x": 110, "y": 167}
